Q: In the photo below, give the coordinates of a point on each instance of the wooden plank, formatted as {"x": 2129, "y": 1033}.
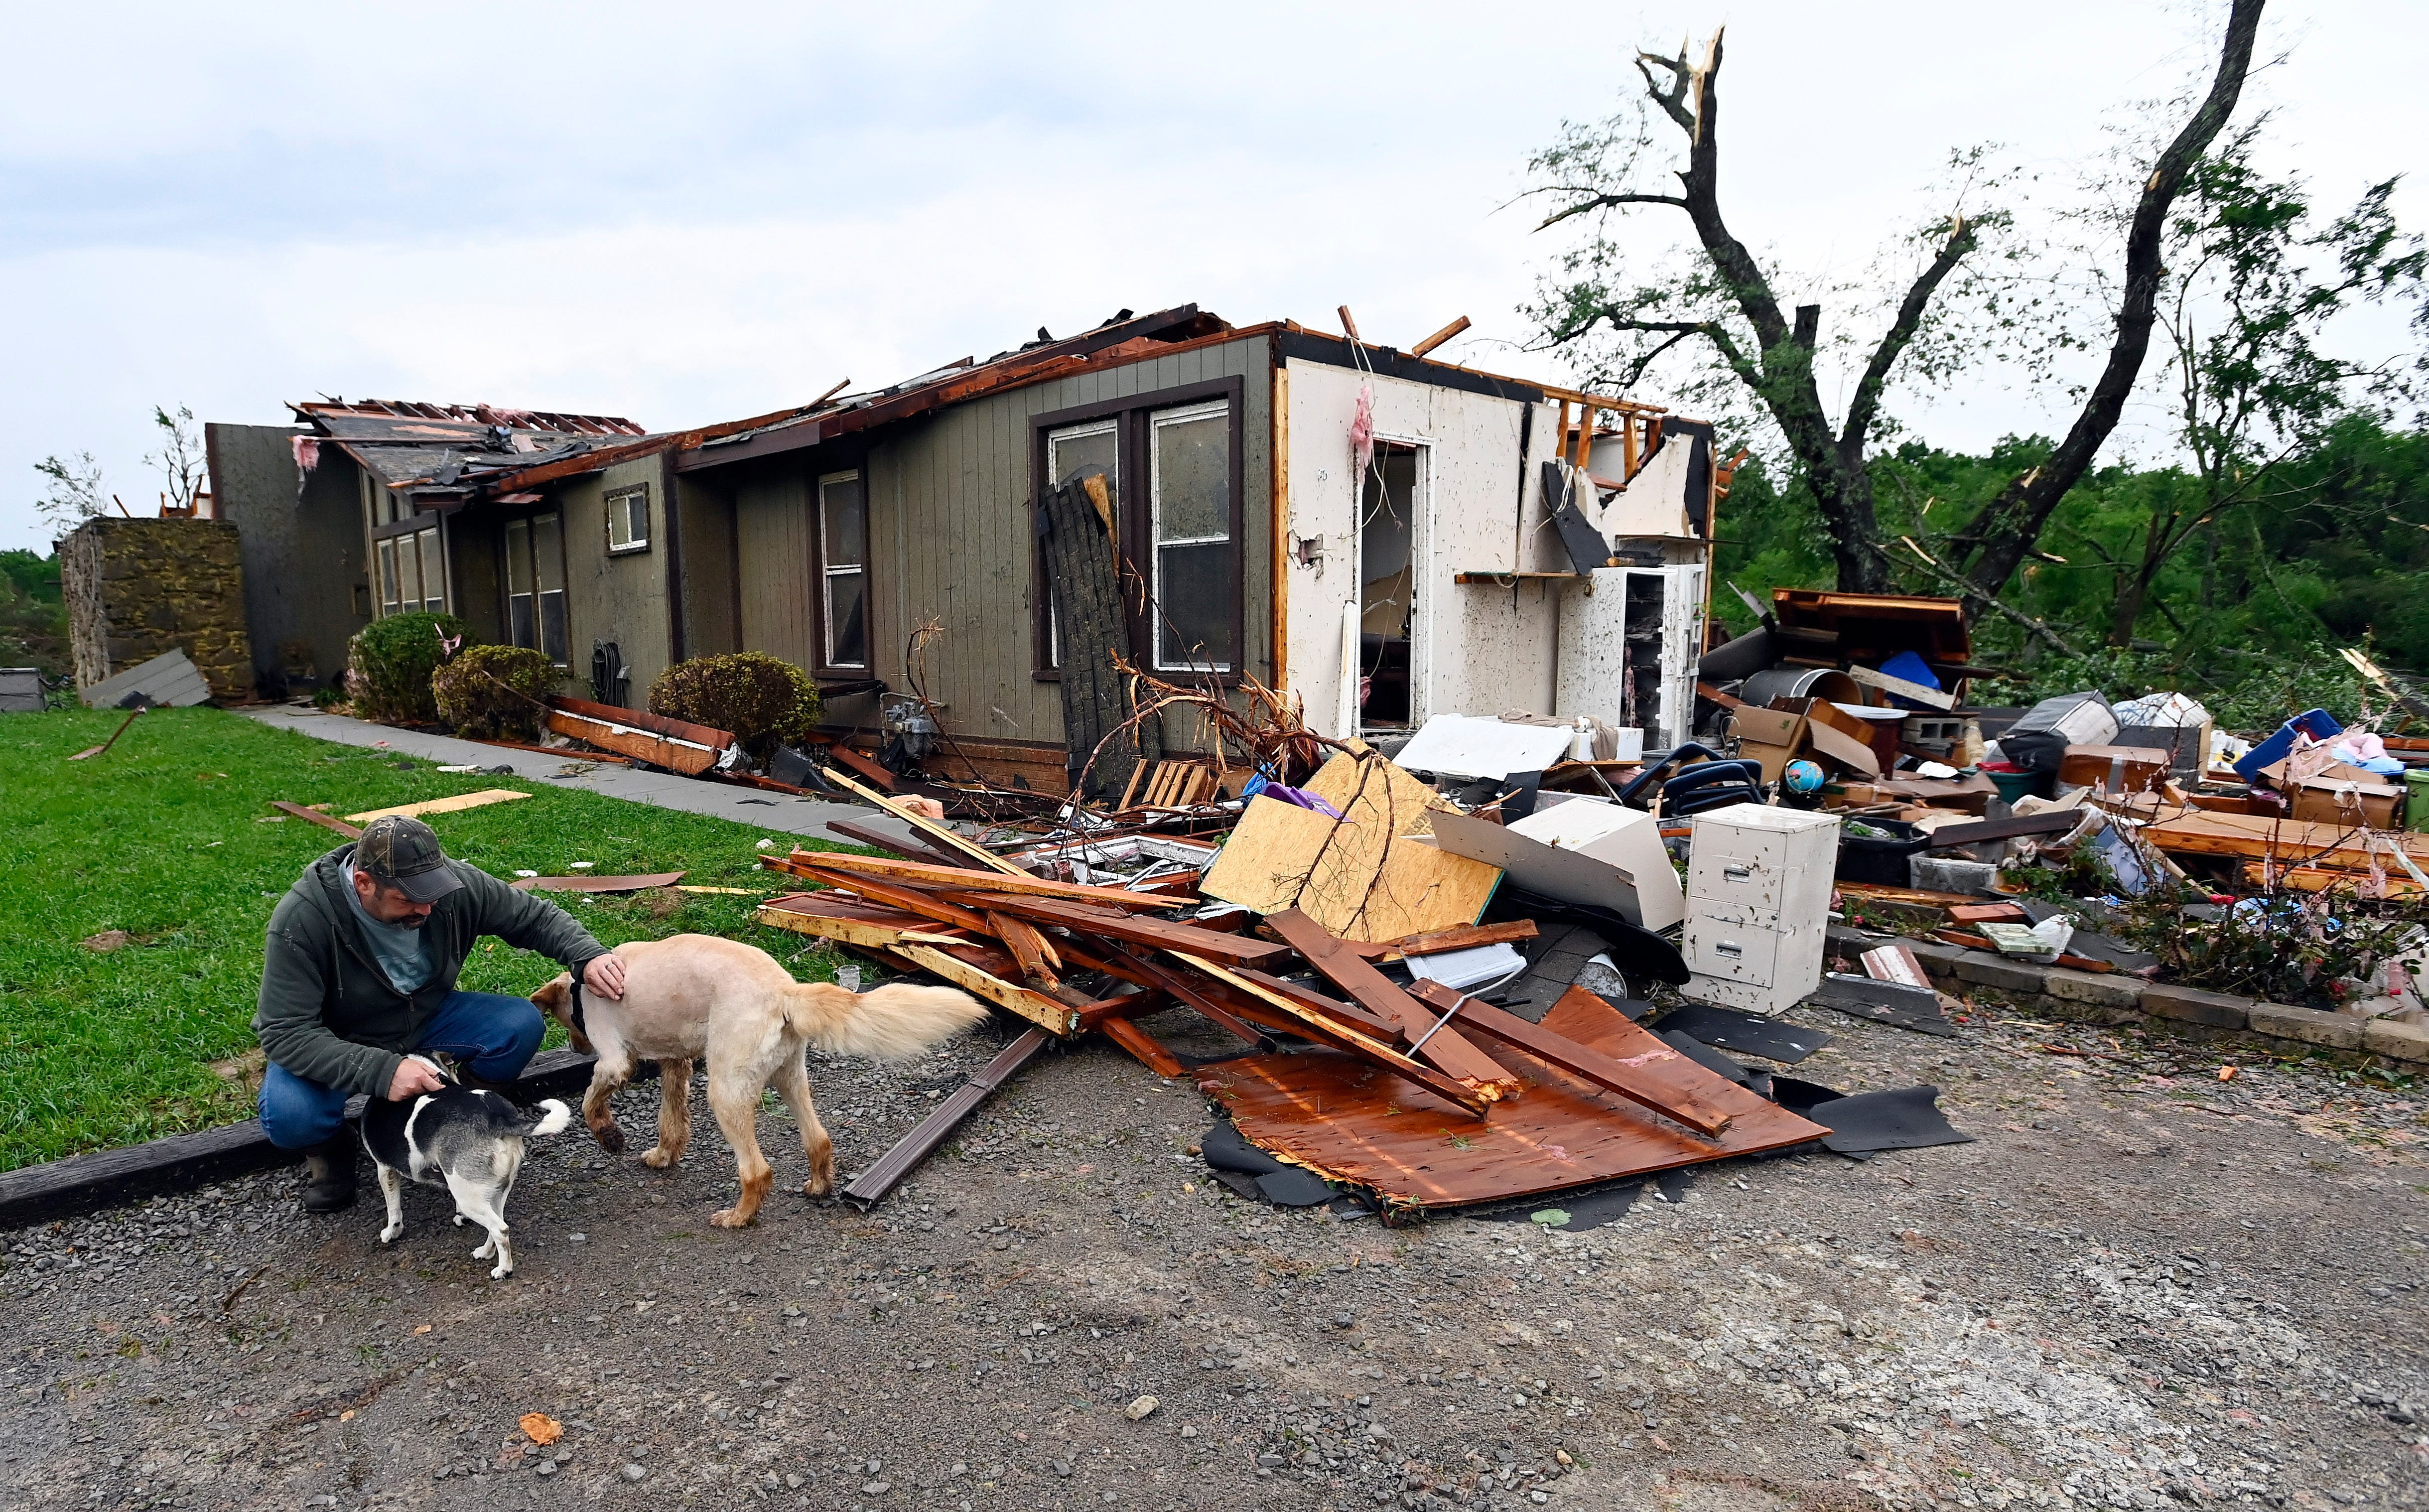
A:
{"x": 2319, "y": 879}
{"x": 1157, "y": 934}
{"x": 929, "y": 827}
{"x": 642, "y": 719}
{"x": 2257, "y": 838}
{"x": 1142, "y": 1044}
{"x": 554, "y": 750}
{"x": 313, "y": 816}
{"x": 2048, "y": 822}
{"x": 1156, "y": 977}
{"x": 584, "y": 882}
{"x": 1448, "y": 1048}
{"x": 1355, "y": 878}
{"x": 1466, "y": 937}
{"x": 1913, "y": 692}
{"x": 1457, "y": 1093}
{"x": 911, "y": 900}
{"x": 852, "y": 929}
{"x": 922, "y": 874}
{"x": 442, "y": 806}
{"x": 1987, "y": 913}
{"x": 1639, "y": 1082}
{"x": 1058, "y": 1019}
{"x": 877, "y": 776}
{"x": 873, "y": 1185}
{"x": 1387, "y": 1030}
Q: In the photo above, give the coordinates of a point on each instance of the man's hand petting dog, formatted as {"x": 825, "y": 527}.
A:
{"x": 604, "y": 975}
{"x": 413, "y": 1077}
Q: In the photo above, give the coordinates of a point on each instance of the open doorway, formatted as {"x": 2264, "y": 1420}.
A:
{"x": 1387, "y": 580}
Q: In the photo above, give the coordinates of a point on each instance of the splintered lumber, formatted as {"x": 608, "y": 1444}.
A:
{"x": 585, "y": 882}
{"x": 1331, "y": 1113}
{"x": 1360, "y": 877}
{"x": 1028, "y": 947}
{"x": 1642, "y": 1079}
{"x": 1457, "y": 1093}
{"x": 2314, "y": 879}
{"x": 2287, "y": 841}
{"x": 1155, "y": 977}
{"x": 313, "y": 816}
{"x": 910, "y": 899}
{"x": 1387, "y": 1030}
{"x": 1447, "y": 1049}
{"x": 873, "y": 1185}
{"x": 1142, "y": 1044}
{"x": 1059, "y": 1018}
{"x": 924, "y": 874}
{"x": 1466, "y": 936}
{"x": 851, "y": 922}
{"x": 442, "y": 806}
{"x": 929, "y": 827}
{"x": 675, "y": 745}
{"x": 1157, "y": 934}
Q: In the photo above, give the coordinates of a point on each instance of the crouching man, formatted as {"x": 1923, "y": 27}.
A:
{"x": 361, "y": 968}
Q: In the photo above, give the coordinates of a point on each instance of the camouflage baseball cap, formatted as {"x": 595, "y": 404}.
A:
{"x": 404, "y": 854}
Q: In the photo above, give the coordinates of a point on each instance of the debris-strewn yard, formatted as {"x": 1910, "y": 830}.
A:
{"x": 2141, "y": 1287}
{"x": 134, "y": 889}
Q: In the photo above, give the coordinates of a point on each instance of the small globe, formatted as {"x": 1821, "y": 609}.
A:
{"x": 1802, "y": 777}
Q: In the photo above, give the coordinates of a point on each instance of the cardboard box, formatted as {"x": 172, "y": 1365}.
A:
{"x": 1833, "y": 732}
{"x": 2088, "y": 766}
{"x": 1770, "y": 735}
{"x": 2342, "y": 795}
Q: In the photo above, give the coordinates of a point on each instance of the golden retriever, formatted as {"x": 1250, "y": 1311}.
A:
{"x": 690, "y": 997}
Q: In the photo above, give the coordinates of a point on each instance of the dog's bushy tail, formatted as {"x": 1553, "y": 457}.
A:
{"x": 556, "y": 1118}
{"x": 890, "y": 1022}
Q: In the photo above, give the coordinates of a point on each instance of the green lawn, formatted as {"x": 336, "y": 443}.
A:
{"x": 163, "y": 838}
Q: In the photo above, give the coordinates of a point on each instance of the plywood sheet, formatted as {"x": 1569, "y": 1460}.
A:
{"x": 442, "y": 806}
{"x": 1350, "y": 1122}
{"x": 1365, "y": 878}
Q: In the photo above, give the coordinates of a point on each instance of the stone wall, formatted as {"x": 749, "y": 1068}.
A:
{"x": 137, "y": 588}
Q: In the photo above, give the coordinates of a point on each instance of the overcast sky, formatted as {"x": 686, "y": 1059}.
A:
{"x": 684, "y": 214}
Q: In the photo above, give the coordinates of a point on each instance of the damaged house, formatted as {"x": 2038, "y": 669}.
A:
{"x": 1382, "y": 535}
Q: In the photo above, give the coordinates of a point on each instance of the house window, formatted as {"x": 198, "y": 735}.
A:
{"x": 536, "y": 585}
{"x": 628, "y": 521}
{"x": 843, "y": 563}
{"x": 1074, "y": 451}
{"x": 412, "y": 572}
{"x": 1172, "y": 459}
{"x": 1196, "y": 581}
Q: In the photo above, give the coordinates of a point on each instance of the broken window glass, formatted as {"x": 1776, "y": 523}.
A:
{"x": 1196, "y": 574}
{"x": 843, "y": 556}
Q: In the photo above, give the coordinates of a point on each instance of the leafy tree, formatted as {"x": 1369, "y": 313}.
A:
{"x": 72, "y": 495}
{"x": 179, "y": 459}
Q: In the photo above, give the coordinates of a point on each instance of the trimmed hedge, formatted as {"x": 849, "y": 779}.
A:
{"x": 494, "y": 692}
{"x": 390, "y": 663}
{"x": 761, "y": 700}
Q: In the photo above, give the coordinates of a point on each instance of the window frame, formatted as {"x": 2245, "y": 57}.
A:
{"x": 1133, "y": 507}
{"x": 623, "y": 499}
{"x": 823, "y": 644}
{"x": 529, "y": 522}
{"x": 399, "y": 546}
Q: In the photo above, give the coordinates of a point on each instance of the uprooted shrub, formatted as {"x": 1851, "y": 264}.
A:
{"x": 389, "y": 662}
{"x": 495, "y": 693}
{"x": 759, "y": 699}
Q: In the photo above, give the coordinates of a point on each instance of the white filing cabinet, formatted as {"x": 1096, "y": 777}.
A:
{"x": 1758, "y": 901}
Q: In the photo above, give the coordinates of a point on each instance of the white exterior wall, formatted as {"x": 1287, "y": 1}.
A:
{"x": 1478, "y": 648}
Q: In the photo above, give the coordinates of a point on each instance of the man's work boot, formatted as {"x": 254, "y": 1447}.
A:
{"x": 329, "y": 1175}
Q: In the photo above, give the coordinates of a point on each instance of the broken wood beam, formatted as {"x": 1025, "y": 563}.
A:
{"x": 1464, "y": 937}
{"x": 927, "y": 827}
{"x": 1374, "y": 992}
{"x": 1439, "y": 337}
{"x": 1638, "y": 1082}
{"x": 313, "y": 816}
{"x": 910, "y": 899}
{"x": 1425, "y": 1077}
{"x": 926, "y": 875}
{"x": 1028, "y": 947}
{"x": 1059, "y": 1018}
{"x": 1157, "y": 934}
{"x": 1384, "y": 1029}
{"x": 908, "y": 849}
{"x": 1141, "y": 1044}
{"x": 1153, "y": 976}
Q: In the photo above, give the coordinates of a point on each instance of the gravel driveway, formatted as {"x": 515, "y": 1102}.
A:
{"x": 2141, "y": 1288}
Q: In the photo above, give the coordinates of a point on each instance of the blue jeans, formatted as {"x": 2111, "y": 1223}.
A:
{"x": 492, "y": 1035}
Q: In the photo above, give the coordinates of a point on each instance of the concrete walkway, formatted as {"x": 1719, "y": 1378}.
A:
{"x": 663, "y": 789}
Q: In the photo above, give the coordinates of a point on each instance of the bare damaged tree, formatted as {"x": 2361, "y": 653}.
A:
{"x": 179, "y": 460}
{"x": 1729, "y": 304}
{"x": 1779, "y": 369}
{"x": 1997, "y": 539}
